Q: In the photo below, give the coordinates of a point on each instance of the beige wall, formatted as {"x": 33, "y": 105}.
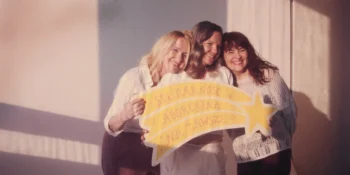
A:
{"x": 314, "y": 142}
{"x": 320, "y": 60}
{"x": 49, "y": 94}
{"x": 50, "y": 57}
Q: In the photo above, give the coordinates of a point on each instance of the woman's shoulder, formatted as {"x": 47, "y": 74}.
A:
{"x": 223, "y": 69}
{"x": 271, "y": 74}
{"x": 173, "y": 78}
{"x": 131, "y": 73}
{"x": 135, "y": 74}
{"x": 225, "y": 74}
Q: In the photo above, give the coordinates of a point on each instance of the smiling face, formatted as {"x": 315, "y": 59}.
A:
{"x": 175, "y": 59}
{"x": 212, "y": 48}
{"x": 236, "y": 59}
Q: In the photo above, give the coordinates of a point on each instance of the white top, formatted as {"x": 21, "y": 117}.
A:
{"x": 192, "y": 159}
{"x": 221, "y": 75}
{"x": 130, "y": 84}
{"x": 257, "y": 147}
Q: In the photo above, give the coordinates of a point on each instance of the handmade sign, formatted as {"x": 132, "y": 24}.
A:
{"x": 177, "y": 113}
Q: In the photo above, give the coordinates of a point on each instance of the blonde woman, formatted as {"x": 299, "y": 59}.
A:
{"x": 122, "y": 150}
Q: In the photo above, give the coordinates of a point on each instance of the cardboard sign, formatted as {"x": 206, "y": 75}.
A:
{"x": 177, "y": 113}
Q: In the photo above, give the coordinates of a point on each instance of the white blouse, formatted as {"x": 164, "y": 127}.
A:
{"x": 130, "y": 84}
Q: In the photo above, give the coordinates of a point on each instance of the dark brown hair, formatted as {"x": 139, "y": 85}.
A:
{"x": 200, "y": 33}
{"x": 256, "y": 65}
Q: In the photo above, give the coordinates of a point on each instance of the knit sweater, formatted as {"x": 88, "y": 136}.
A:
{"x": 258, "y": 146}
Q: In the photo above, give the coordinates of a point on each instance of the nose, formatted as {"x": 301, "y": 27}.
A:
{"x": 214, "y": 49}
{"x": 236, "y": 55}
{"x": 178, "y": 58}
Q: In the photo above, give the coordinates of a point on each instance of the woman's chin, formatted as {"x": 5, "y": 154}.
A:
{"x": 175, "y": 70}
{"x": 209, "y": 62}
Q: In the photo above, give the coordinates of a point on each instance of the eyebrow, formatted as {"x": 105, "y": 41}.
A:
{"x": 179, "y": 49}
{"x": 176, "y": 48}
{"x": 211, "y": 41}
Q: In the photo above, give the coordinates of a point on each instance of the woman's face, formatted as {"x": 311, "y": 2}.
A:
{"x": 175, "y": 59}
{"x": 236, "y": 59}
{"x": 212, "y": 48}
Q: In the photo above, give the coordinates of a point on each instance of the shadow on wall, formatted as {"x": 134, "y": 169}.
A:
{"x": 310, "y": 153}
{"x": 52, "y": 126}
{"x": 15, "y": 164}
{"x": 20, "y": 119}
{"x": 322, "y": 146}
{"x": 340, "y": 84}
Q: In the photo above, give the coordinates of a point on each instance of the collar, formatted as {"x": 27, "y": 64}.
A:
{"x": 146, "y": 76}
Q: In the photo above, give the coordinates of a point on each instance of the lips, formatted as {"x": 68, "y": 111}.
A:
{"x": 175, "y": 65}
{"x": 211, "y": 56}
{"x": 237, "y": 62}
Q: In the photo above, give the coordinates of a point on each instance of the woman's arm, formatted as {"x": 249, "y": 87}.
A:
{"x": 282, "y": 98}
{"x": 122, "y": 109}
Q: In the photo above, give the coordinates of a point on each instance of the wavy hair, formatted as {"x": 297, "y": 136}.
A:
{"x": 256, "y": 65}
{"x": 154, "y": 59}
{"x": 200, "y": 33}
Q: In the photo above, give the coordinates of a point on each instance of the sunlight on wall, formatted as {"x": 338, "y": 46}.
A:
{"x": 50, "y": 56}
{"x": 267, "y": 25}
{"x": 311, "y": 56}
{"x": 48, "y": 147}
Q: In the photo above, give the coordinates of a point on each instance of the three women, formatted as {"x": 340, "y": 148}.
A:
{"x": 239, "y": 66}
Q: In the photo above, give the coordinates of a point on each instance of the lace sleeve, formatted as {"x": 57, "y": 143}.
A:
{"x": 282, "y": 98}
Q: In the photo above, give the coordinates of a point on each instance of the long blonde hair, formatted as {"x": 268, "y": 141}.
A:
{"x": 163, "y": 45}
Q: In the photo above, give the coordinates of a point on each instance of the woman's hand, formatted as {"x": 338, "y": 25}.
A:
{"x": 134, "y": 108}
{"x": 131, "y": 109}
{"x": 274, "y": 120}
{"x": 143, "y": 138}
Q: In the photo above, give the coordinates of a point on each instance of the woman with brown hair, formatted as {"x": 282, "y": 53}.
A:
{"x": 260, "y": 154}
{"x": 203, "y": 155}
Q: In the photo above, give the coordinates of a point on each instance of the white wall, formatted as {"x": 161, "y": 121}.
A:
{"x": 320, "y": 82}
{"x": 51, "y": 55}
{"x": 267, "y": 24}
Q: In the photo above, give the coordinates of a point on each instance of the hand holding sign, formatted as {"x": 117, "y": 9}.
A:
{"x": 177, "y": 113}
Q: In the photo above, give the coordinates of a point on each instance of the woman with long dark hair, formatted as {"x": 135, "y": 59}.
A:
{"x": 260, "y": 154}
